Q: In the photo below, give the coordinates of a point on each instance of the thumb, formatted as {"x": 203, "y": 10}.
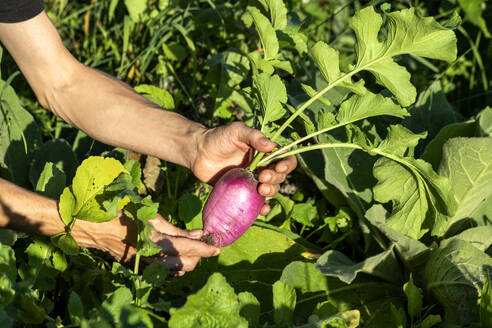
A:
{"x": 253, "y": 138}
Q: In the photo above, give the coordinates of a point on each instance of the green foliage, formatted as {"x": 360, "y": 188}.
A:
{"x": 393, "y": 180}
{"x": 215, "y": 305}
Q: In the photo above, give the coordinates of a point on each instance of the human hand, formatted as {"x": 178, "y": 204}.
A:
{"x": 181, "y": 250}
{"x": 229, "y": 146}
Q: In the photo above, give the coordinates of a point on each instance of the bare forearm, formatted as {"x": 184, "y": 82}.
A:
{"x": 103, "y": 107}
{"x": 25, "y": 211}
{"x": 110, "y": 111}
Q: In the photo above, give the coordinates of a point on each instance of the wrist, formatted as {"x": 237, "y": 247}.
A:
{"x": 116, "y": 237}
{"x": 197, "y": 134}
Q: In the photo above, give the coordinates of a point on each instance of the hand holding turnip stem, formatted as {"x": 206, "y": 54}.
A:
{"x": 222, "y": 149}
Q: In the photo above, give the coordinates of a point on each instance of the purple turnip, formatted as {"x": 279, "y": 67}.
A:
{"x": 232, "y": 207}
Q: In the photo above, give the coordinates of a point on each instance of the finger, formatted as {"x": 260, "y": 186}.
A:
{"x": 161, "y": 225}
{"x": 271, "y": 176}
{"x": 252, "y": 137}
{"x": 181, "y": 263}
{"x": 286, "y": 165}
{"x": 185, "y": 247}
{"x": 265, "y": 209}
{"x": 268, "y": 190}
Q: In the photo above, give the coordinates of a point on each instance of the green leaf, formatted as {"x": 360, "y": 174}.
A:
{"x": 407, "y": 34}
{"x": 136, "y": 9}
{"x": 249, "y": 308}
{"x": 431, "y": 113}
{"x": 400, "y": 141}
{"x": 158, "y": 96}
{"x": 115, "y": 303}
{"x": 474, "y": 10}
{"x": 215, "y": 305}
{"x": 155, "y": 274}
{"x": 455, "y": 273}
{"x": 414, "y": 298}
{"x": 359, "y": 107}
{"x": 19, "y": 135}
{"x": 485, "y": 122}
{"x": 51, "y": 182}
{"x": 59, "y": 261}
{"x": 422, "y": 197}
{"x": 91, "y": 177}
{"x": 384, "y": 265}
{"x": 325, "y": 297}
{"x": 75, "y": 305}
{"x": 189, "y": 209}
{"x": 399, "y": 317}
{"x": 304, "y": 276}
{"x": 412, "y": 252}
{"x": 327, "y": 60}
{"x": 486, "y": 304}
{"x": 480, "y": 237}
{"x": 66, "y": 206}
{"x": 467, "y": 162}
{"x": 284, "y": 302}
{"x": 278, "y": 12}
{"x": 29, "y": 312}
{"x": 67, "y": 244}
{"x": 8, "y": 237}
{"x": 430, "y": 321}
{"x": 272, "y": 95}
{"x": 8, "y": 274}
{"x": 60, "y": 153}
{"x": 305, "y": 213}
{"x": 266, "y": 32}
{"x": 433, "y": 151}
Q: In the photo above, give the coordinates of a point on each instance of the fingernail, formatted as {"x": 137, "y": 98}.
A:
{"x": 266, "y": 177}
{"x": 217, "y": 252}
{"x": 264, "y": 141}
{"x": 266, "y": 190}
{"x": 282, "y": 169}
{"x": 195, "y": 233}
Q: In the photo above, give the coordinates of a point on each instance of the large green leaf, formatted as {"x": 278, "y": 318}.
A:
{"x": 369, "y": 105}
{"x": 327, "y": 296}
{"x": 468, "y": 164}
{"x": 455, "y": 273}
{"x": 413, "y": 253}
{"x": 384, "y": 265}
{"x": 19, "y": 135}
{"x": 407, "y": 34}
{"x": 215, "y": 305}
{"x": 84, "y": 199}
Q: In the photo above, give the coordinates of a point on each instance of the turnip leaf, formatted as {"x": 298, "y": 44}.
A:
{"x": 265, "y": 30}
{"x": 407, "y": 34}
{"x": 284, "y": 302}
{"x": 216, "y": 304}
{"x": 384, "y": 265}
{"x": 455, "y": 273}
{"x": 467, "y": 162}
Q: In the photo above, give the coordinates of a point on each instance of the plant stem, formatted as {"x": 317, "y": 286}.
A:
{"x": 305, "y": 105}
{"x": 309, "y": 148}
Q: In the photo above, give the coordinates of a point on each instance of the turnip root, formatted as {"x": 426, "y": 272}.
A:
{"x": 232, "y": 207}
